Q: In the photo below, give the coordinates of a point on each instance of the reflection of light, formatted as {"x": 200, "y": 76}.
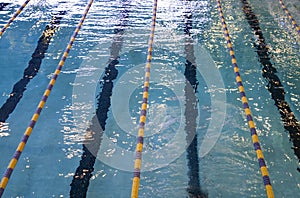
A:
{"x": 164, "y": 3}
{"x": 169, "y": 10}
{"x": 4, "y": 129}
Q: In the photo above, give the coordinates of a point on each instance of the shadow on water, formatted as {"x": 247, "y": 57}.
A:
{"x": 290, "y": 122}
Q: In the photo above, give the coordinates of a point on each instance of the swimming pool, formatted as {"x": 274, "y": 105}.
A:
{"x": 187, "y": 33}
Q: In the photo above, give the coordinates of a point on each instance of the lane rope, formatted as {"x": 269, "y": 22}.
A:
{"x": 294, "y": 23}
{"x": 255, "y": 140}
{"x": 36, "y": 115}
{"x": 13, "y": 17}
{"x": 142, "y": 121}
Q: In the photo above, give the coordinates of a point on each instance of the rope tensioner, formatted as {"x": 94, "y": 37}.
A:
{"x": 255, "y": 140}
{"x": 36, "y": 115}
{"x": 140, "y": 138}
{"x": 296, "y": 26}
{"x": 13, "y": 17}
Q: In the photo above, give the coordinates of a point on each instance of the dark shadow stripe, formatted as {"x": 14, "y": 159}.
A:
{"x": 191, "y": 112}
{"x": 291, "y": 124}
{"x": 32, "y": 68}
{"x": 91, "y": 145}
{"x": 81, "y": 179}
{"x": 3, "y": 5}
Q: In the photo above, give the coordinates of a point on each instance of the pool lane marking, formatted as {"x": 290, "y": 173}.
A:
{"x": 275, "y": 87}
{"x": 95, "y": 130}
{"x": 294, "y": 23}
{"x": 13, "y": 17}
{"x": 32, "y": 69}
{"x": 255, "y": 140}
{"x": 92, "y": 143}
{"x": 191, "y": 112}
{"x": 3, "y": 5}
{"x": 36, "y": 115}
{"x": 142, "y": 121}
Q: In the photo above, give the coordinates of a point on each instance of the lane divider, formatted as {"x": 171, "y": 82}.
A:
{"x": 13, "y": 17}
{"x": 294, "y": 23}
{"x": 36, "y": 115}
{"x": 255, "y": 140}
{"x": 142, "y": 121}
{"x": 275, "y": 87}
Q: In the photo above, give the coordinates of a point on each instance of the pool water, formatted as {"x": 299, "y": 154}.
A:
{"x": 120, "y": 30}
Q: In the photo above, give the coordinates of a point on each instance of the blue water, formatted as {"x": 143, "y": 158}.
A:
{"x": 228, "y": 165}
